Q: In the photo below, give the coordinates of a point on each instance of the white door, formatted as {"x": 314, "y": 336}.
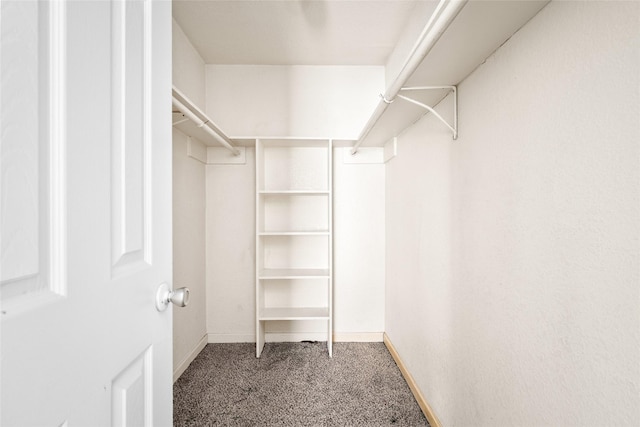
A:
{"x": 85, "y": 212}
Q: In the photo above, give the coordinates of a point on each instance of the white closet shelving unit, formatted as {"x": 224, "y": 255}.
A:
{"x": 294, "y": 249}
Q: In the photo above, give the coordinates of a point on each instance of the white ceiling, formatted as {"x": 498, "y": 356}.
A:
{"x": 294, "y": 32}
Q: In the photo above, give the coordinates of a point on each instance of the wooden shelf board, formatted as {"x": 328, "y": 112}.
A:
{"x": 294, "y": 313}
{"x": 294, "y": 233}
{"x": 294, "y": 192}
{"x": 294, "y": 143}
{"x": 298, "y": 273}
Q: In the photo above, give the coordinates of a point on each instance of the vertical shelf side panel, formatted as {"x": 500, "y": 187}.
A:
{"x": 330, "y": 248}
{"x": 259, "y": 294}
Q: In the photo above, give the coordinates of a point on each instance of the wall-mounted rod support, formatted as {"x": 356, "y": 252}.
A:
{"x": 453, "y": 128}
{"x": 190, "y": 110}
{"x": 432, "y": 111}
{"x": 177, "y": 122}
{"x": 443, "y": 16}
{"x": 205, "y": 125}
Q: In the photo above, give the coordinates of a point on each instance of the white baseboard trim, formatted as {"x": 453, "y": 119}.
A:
{"x": 297, "y": 337}
{"x": 230, "y": 338}
{"x": 422, "y": 402}
{"x": 184, "y": 364}
{"x": 322, "y": 336}
{"x": 294, "y": 336}
{"x": 358, "y": 337}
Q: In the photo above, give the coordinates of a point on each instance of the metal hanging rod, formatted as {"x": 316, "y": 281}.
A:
{"x": 187, "y": 108}
{"x": 453, "y": 128}
{"x": 442, "y": 17}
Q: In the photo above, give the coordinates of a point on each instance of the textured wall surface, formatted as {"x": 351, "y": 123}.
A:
{"x": 188, "y": 68}
{"x": 358, "y": 245}
{"x": 189, "y": 323}
{"x": 513, "y": 252}
{"x": 231, "y": 224}
{"x": 297, "y": 101}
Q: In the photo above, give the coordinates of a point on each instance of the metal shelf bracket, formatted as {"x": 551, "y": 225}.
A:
{"x": 454, "y": 127}
{"x": 188, "y": 110}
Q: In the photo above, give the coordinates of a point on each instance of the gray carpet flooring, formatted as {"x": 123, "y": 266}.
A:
{"x": 295, "y": 384}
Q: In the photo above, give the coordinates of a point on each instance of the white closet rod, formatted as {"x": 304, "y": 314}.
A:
{"x": 206, "y": 126}
{"x": 442, "y": 17}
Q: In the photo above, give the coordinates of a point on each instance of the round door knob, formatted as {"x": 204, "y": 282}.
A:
{"x": 179, "y": 297}
{"x": 165, "y": 295}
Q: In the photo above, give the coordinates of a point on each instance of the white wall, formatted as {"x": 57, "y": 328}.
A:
{"x": 188, "y": 68}
{"x": 512, "y": 253}
{"x": 358, "y": 252}
{"x": 298, "y": 101}
{"x": 359, "y": 248}
{"x": 231, "y": 251}
{"x": 189, "y": 323}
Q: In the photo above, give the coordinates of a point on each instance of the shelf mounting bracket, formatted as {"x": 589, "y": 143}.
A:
{"x": 454, "y": 89}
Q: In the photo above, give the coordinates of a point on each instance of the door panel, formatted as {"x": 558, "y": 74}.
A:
{"x": 130, "y": 135}
{"x": 32, "y": 255}
{"x": 131, "y": 393}
{"x": 86, "y": 201}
